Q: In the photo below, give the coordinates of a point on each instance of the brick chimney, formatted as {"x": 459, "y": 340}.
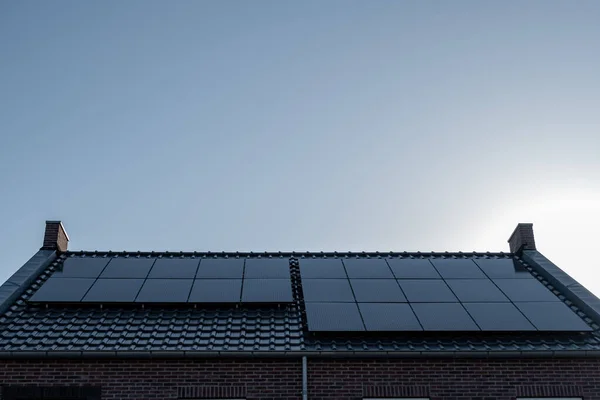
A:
{"x": 55, "y": 237}
{"x": 522, "y": 238}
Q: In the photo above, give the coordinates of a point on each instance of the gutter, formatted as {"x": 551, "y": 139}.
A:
{"x": 292, "y": 354}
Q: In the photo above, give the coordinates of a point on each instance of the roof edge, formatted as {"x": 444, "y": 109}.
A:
{"x": 569, "y": 287}
{"x": 33, "y": 355}
{"x": 298, "y": 254}
{"x": 16, "y": 285}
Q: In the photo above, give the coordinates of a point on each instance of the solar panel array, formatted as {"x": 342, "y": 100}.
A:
{"x": 349, "y": 294}
{"x": 435, "y": 294}
{"x": 168, "y": 280}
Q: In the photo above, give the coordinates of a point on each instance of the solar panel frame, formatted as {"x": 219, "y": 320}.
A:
{"x": 174, "y": 268}
{"x": 114, "y": 290}
{"x": 267, "y": 268}
{"x": 427, "y": 291}
{"x": 458, "y": 268}
{"x": 476, "y": 291}
{"x": 127, "y": 268}
{"x": 221, "y": 268}
{"x": 327, "y": 290}
{"x": 216, "y": 291}
{"x": 267, "y": 291}
{"x": 413, "y": 268}
{"x": 523, "y": 290}
{"x": 322, "y": 268}
{"x": 334, "y": 317}
{"x": 389, "y": 317}
{"x": 377, "y": 291}
{"x": 62, "y": 290}
{"x": 165, "y": 291}
{"x": 553, "y": 316}
{"x": 82, "y": 267}
{"x": 450, "y": 317}
{"x": 498, "y": 317}
{"x": 367, "y": 268}
{"x": 503, "y": 268}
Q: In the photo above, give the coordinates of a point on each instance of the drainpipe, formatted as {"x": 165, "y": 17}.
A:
{"x": 304, "y": 379}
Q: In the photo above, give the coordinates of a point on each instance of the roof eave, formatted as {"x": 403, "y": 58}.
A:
{"x": 32, "y": 355}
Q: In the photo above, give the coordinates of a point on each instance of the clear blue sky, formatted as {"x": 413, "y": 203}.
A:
{"x": 307, "y": 125}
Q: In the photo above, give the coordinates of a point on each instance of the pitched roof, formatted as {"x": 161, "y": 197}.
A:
{"x": 28, "y": 329}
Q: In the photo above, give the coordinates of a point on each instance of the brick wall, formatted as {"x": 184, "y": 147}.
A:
{"x": 164, "y": 379}
{"x": 328, "y": 378}
{"x": 454, "y": 379}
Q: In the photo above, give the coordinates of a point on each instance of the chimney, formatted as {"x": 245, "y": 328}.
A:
{"x": 55, "y": 237}
{"x": 522, "y": 238}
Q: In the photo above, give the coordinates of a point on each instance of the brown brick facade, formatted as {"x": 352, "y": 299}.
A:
{"x": 328, "y": 378}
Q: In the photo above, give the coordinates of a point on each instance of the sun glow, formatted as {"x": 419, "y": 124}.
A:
{"x": 566, "y": 224}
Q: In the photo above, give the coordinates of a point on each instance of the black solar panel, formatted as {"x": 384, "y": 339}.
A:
{"x": 165, "y": 291}
{"x": 379, "y": 295}
{"x": 87, "y": 267}
{"x": 377, "y": 290}
{"x": 128, "y": 268}
{"x": 267, "y": 268}
{"x": 413, "y": 268}
{"x": 457, "y": 268}
{"x": 267, "y": 291}
{"x": 114, "y": 291}
{"x": 389, "y": 317}
{"x": 553, "y": 316}
{"x": 476, "y": 290}
{"x": 333, "y": 317}
{"x": 221, "y": 268}
{"x": 183, "y": 268}
{"x": 62, "y": 290}
{"x": 327, "y": 290}
{"x": 426, "y": 291}
{"x": 374, "y": 268}
{"x": 498, "y": 317}
{"x": 444, "y": 317}
{"x": 216, "y": 291}
{"x": 315, "y": 268}
{"x": 503, "y": 268}
{"x": 525, "y": 290}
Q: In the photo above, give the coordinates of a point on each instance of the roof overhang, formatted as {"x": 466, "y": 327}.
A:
{"x": 33, "y": 355}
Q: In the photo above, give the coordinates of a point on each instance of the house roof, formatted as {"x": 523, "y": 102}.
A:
{"x": 30, "y": 329}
